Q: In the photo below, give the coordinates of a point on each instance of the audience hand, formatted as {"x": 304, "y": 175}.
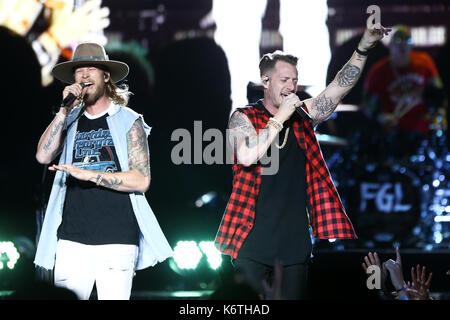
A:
{"x": 419, "y": 289}
{"x": 372, "y": 259}
{"x": 395, "y": 271}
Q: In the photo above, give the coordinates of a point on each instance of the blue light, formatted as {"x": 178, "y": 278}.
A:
{"x": 205, "y": 199}
{"x": 437, "y": 237}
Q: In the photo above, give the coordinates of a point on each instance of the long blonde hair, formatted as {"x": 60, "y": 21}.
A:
{"x": 119, "y": 94}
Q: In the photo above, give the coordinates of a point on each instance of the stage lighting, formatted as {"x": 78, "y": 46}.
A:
{"x": 213, "y": 255}
{"x": 205, "y": 199}
{"x": 186, "y": 254}
{"x": 8, "y": 255}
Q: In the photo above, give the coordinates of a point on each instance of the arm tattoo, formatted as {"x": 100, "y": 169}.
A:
{"x": 360, "y": 57}
{"x": 237, "y": 121}
{"x": 324, "y": 105}
{"x": 241, "y": 128}
{"x": 252, "y": 141}
{"x": 53, "y": 134}
{"x": 111, "y": 183}
{"x": 138, "y": 155}
{"x": 348, "y": 75}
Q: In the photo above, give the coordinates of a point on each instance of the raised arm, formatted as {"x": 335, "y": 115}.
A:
{"x": 137, "y": 179}
{"x": 322, "y": 106}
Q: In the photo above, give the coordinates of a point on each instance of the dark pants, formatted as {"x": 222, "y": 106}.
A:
{"x": 294, "y": 284}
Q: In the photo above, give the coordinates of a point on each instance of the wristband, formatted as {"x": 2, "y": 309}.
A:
{"x": 401, "y": 289}
{"x": 363, "y": 53}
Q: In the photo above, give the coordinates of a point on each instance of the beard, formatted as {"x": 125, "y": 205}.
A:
{"x": 91, "y": 98}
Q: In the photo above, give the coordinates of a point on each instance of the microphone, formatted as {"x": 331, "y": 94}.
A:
{"x": 71, "y": 97}
{"x": 302, "y": 113}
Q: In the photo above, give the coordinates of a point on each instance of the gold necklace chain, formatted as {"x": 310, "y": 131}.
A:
{"x": 284, "y": 141}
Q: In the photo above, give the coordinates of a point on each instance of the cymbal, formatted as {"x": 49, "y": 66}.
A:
{"x": 328, "y": 140}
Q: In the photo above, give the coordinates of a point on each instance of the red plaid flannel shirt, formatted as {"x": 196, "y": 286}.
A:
{"x": 329, "y": 220}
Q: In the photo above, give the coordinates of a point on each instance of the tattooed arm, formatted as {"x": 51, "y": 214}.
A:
{"x": 137, "y": 179}
{"x": 248, "y": 145}
{"x": 322, "y": 106}
{"x": 50, "y": 144}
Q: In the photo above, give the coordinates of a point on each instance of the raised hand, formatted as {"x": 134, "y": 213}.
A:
{"x": 371, "y": 36}
{"x": 373, "y": 259}
{"x": 419, "y": 289}
{"x": 395, "y": 271}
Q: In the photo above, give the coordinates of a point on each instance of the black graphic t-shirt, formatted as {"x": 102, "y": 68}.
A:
{"x": 96, "y": 215}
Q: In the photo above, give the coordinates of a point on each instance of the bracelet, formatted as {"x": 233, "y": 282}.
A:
{"x": 363, "y": 53}
{"x": 275, "y": 123}
{"x": 401, "y": 289}
{"x": 99, "y": 179}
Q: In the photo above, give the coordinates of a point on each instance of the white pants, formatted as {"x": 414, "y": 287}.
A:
{"x": 111, "y": 267}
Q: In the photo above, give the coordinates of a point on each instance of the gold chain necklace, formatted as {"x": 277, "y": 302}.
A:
{"x": 284, "y": 141}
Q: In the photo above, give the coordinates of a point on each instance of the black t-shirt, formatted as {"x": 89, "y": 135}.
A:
{"x": 281, "y": 228}
{"x": 96, "y": 215}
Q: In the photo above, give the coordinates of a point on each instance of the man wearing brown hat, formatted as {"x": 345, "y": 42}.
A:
{"x": 98, "y": 227}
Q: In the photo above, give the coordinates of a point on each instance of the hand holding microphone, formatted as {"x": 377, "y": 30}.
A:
{"x": 73, "y": 93}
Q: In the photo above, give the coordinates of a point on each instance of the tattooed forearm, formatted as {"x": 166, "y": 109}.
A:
{"x": 360, "y": 57}
{"x": 348, "y": 75}
{"x": 263, "y": 136}
{"x": 138, "y": 155}
{"x": 324, "y": 105}
{"x": 53, "y": 134}
{"x": 109, "y": 182}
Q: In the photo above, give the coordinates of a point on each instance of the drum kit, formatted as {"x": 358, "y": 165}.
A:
{"x": 394, "y": 187}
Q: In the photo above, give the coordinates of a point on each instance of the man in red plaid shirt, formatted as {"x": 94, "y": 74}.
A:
{"x": 268, "y": 216}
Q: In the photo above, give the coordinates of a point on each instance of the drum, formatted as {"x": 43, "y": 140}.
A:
{"x": 384, "y": 203}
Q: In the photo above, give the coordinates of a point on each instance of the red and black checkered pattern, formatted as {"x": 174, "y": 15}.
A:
{"x": 329, "y": 220}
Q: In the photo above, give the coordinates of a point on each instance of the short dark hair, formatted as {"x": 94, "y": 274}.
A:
{"x": 269, "y": 60}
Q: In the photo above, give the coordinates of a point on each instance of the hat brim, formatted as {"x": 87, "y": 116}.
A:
{"x": 64, "y": 71}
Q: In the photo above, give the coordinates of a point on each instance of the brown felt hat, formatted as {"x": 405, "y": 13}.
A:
{"x": 90, "y": 54}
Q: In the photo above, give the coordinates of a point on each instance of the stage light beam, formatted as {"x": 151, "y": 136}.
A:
{"x": 186, "y": 254}
{"x": 213, "y": 255}
{"x": 8, "y": 255}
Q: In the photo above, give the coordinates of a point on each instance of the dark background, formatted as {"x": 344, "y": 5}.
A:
{"x": 182, "y": 76}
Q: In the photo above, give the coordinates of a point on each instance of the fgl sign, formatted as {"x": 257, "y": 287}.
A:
{"x": 387, "y": 196}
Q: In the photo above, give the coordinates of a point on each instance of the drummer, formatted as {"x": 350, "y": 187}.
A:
{"x": 401, "y": 92}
